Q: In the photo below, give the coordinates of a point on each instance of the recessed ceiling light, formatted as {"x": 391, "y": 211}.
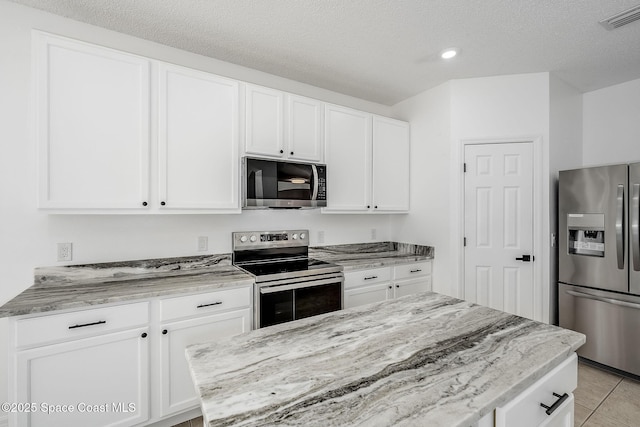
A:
{"x": 449, "y": 53}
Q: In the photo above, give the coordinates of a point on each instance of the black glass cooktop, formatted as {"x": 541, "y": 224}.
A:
{"x": 280, "y": 267}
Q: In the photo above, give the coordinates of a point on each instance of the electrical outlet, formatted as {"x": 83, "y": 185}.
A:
{"x": 65, "y": 251}
{"x": 374, "y": 234}
{"x": 203, "y": 243}
{"x": 321, "y": 236}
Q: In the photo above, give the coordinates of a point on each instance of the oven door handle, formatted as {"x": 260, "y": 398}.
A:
{"x": 299, "y": 285}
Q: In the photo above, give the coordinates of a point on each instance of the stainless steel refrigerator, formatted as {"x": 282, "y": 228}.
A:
{"x": 599, "y": 262}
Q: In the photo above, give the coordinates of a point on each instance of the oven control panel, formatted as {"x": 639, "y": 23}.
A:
{"x": 245, "y": 240}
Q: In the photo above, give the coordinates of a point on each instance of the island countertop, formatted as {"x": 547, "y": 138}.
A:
{"x": 425, "y": 359}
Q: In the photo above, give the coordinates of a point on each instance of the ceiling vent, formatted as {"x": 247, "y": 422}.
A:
{"x": 622, "y": 18}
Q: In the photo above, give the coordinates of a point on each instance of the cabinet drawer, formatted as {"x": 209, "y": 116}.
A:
{"x": 367, "y": 277}
{"x": 207, "y": 303}
{"x": 525, "y": 409}
{"x": 415, "y": 269}
{"x": 80, "y": 324}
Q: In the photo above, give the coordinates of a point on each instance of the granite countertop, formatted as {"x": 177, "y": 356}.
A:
{"x": 419, "y": 360}
{"x": 76, "y": 286}
{"x": 362, "y": 256}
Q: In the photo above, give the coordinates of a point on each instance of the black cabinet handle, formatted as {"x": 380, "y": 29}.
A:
{"x": 209, "y": 305}
{"x": 144, "y": 335}
{"x": 163, "y": 203}
{"x": 397, "y": 286}
{"x": 370, "y": 277}
{"x": 525, "y": 258}
{"x": 552, "y": 408}
{"x": 390, "y": 287}
{"x": 292, "y": 153}
{"x": 101, "y": 322}
{"x": 144, "y": 203}
{"x": 164, "y": 332}
{"x": 375, "y": 207}
{"x": 368, "y": 206}
{"x": 281, "y": 151}
{"x": 415, "y": 271}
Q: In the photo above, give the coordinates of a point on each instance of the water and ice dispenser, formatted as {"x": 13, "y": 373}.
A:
{"x": 586, "y": 234}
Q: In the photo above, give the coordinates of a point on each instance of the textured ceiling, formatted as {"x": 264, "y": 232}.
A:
{"x": 383, "y": 50}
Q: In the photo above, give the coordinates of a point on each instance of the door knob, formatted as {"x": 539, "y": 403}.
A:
{"x": 525, "y": 258}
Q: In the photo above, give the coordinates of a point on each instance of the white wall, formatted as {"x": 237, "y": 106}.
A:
{"x": 611, "y": 124}
{"x": 28, "y": 236}
{"x": 428, "y": 221}
{"x": 565, "y": 152}
{"x": 501, "y": 108}
{"x": 492, "y": 108}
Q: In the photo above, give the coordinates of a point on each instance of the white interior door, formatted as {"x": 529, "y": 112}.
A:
{"x": 498, "y": 226}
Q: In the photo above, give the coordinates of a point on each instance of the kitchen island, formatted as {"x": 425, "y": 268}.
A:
{"x": 425, "y": 359}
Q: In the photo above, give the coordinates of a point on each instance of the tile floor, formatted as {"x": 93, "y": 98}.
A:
{"x": 196, "y": 422}
{"x": 602, "y": 399}
{"x": 605, "y": 399}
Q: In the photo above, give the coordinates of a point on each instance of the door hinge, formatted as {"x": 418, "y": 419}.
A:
{"x": 464, "y": 167}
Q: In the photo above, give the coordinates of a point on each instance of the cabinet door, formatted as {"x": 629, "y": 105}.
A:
{"x": 390, "y": 165}
{"x": 367, "y": 294}
{"x": 412, "y": 286}
{"x": 198, "y": 140}
{"x": 264, "y": 121}
{"x": 348, "y": 158}
{"x": 525, "y": 409}
{"x": 177, "y": 389}
{"x": 92, "y": 125}
{"x": 304, "y": 129}
{"x": 103, "y": 381}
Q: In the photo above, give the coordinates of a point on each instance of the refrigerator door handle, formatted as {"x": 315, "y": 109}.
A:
{"x": 635, "y": 226}
{"x": 620, "y": 226}
{"x": 603, "y": 299}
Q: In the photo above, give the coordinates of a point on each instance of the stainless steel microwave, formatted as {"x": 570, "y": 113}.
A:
{"x": 279, "y": 184}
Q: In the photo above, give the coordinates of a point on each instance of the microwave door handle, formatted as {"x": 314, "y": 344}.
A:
{"x": 314, "y": 169}
{"x": 635, "y": 226}
{"x": 620, "y": 226}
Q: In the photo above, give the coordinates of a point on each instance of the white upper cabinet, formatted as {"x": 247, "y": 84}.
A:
{"x": 282, "y": 125}
{"x": 348, "y": 157}
{"x": 390, "y": 165}
{"x": 197, "y": 140}
{"x": 304, "y": 129}
{"x": 264, "y": 116}
{"x": 92, "y": 107}
{"x": 367, "y": 162}
{"x": 94, "y": 121}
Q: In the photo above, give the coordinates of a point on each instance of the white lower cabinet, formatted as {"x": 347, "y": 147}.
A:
{"x": 99, "y": 379}
{"x": 202, "y": 318}
{"x": 104, "y": 366}
{"x": 178, "y": 392}
{"x": 554, "y": 390}
{"x": 366, "y": 294}
{"x": 384, "y": 283}
{"x": 411, "y": 286}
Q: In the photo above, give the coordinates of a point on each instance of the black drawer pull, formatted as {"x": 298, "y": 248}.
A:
{"x": 415, "y": 271}
{"x": 370, "y": 277}
{"x": 209, "y": 305}
{"x": 552, "y": 408}
{"x": 101, "y": 322}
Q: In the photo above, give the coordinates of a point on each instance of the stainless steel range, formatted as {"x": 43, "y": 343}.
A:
{"x": 289, "y": 284}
